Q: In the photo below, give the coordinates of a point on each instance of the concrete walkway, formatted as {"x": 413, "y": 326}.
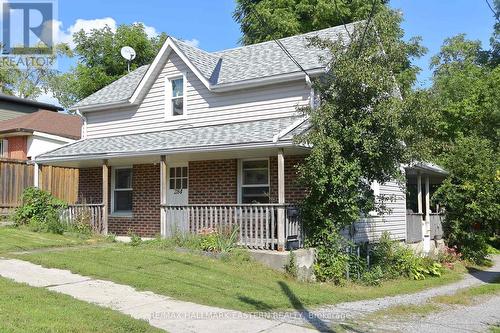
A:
{"x": 160, "y": 311}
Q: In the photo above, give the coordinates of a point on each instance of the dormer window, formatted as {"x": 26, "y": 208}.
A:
{"x": 176, "y": 101}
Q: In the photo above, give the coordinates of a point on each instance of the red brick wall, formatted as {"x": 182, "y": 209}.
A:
{"x": 90, "y": 186}
{"x": 210, "y": 182}
{"x": 17, "y": 147}
{"x": 213, "y": 182}
{"x": 294, "y": 192}
{"x": 145, "y": 220}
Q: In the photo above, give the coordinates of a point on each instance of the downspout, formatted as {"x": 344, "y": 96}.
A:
{"x": 83, "y": 132}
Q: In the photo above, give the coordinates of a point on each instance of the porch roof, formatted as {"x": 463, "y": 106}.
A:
{"x": 250, "y": 134}
{"x": 426, "y": 168}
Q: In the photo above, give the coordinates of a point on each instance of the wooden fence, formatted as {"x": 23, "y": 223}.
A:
{"x": 61, "y": 182}
{"x": 17, "y": 175}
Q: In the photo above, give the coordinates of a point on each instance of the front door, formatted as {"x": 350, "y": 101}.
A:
{"x": 177, "y": 196}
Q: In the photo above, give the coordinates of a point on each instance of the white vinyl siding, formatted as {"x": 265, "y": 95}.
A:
{"x": 371, "y": 228}
{"x": 203, "y": 106}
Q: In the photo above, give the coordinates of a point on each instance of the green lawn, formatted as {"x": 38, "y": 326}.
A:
{"x": 29, "y": 309}
{"x": 13, "y": 239}
{"x": 238, "y": 284}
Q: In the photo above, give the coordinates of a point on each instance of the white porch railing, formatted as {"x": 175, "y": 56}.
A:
{"x": 257, "y": 223}
{"x": 85, "y": 213}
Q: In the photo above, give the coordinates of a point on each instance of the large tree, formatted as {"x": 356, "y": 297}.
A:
{"x": 357, "y": 131}
{"x": 99, "y": 61}
{"x": 464, "y": 100}
{"x": 29, "y": 79}
{"x": 263, "y": 20}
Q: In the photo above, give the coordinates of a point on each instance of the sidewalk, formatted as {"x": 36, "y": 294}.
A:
{"x": 160, "y": 311}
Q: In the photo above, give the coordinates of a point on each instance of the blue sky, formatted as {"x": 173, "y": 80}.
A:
{"x": 209, "y": 24}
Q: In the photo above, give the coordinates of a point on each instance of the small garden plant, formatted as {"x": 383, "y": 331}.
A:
{"x": 386, "y": 260}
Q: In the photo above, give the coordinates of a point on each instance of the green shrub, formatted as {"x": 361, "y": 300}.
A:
{"x": 291, "y": 266}
{"x": 331, "y": 259}
{"x": 373, "y": 276}
{"x": 40, "y": 211}
{"x": 397, "y": 260}
{"x": 135, "y": 240}
{"x": 470, "y": 196}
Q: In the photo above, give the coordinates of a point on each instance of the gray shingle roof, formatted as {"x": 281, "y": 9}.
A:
{"x": 118, "y": 91}
{"x": 234, "y": 65}
{"x": 259, "y": 131}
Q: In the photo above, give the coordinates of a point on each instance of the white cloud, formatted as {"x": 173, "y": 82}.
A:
{"x": 66, "y": 35}
{"x": 48, "y": 97}
{"x": 192, "y": 42}
{"x": 150, "y": 31}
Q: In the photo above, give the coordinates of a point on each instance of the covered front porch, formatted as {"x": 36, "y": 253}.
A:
{"x": 423, "y": 218}
{"x": 192, "y": 180}
{"x": 252, "y": 190}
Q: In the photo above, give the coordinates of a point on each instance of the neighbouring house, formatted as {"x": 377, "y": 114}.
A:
{"x": 202, "y": 139}
{"x": 27, "y": 136}
{"x": 12, "y": 107}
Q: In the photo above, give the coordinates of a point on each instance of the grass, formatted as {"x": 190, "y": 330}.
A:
{"x": 238, "y": 284}
{"x": 495, "y": 328}
{"x": 14, "y": 239}
{"x": 29, "y": 309}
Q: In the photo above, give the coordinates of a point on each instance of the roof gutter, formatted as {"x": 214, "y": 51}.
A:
{"x": 265, "y": 80}
{"x": 281, "y": 144}
{"x": 102, "y": 106}
{"x": 24, "y": 101}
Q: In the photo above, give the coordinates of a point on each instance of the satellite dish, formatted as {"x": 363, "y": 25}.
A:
{"x": 128, "y": 53}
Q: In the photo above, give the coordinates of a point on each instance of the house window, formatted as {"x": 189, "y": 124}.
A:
{"x": 178, "y": 178}
{"x": 176, "y": 92}
{"x": 4, "y": 152}
{"x": 255, "y": 181}
{"x": 122, "y": 190}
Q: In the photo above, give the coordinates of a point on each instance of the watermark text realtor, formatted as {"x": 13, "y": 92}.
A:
{"x": 27, "y": 38}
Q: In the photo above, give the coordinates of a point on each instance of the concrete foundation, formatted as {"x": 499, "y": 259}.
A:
{"x": 277, "y": 260}
{"x": 436, "y": 246}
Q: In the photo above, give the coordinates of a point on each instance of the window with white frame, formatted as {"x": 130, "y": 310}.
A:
{"x": 176, "y": 103}
{"x": 3, "y": 148}
{"x": 122, "y": 190}
{"x": 254, "y": 187}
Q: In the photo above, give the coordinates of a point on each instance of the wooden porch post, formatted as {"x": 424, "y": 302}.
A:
{"x": 427, "y": 199}
{"x": 281, "y": 200}
{"x": 105, "y": 196}
{"x": 419, "y": 192}
{"x": 163, "y": 195}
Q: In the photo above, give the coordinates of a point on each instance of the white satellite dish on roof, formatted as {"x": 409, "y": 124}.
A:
{"x": 129, "y": 54}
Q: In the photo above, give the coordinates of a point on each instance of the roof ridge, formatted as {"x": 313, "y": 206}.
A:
{"x": 288, "y": 37}
{"x": 194, "y": 47}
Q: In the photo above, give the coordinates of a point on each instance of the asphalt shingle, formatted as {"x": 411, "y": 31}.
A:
{"x": 234, "y": 65}
{"x": 260, "y": 131}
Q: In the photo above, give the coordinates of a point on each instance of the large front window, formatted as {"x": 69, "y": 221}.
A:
{"x": 255, "y": 181}
{"x": 122, "y": 190}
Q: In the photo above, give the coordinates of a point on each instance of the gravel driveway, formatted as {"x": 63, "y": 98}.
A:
{"x": 328, "y": 316}
{"x": 475, "y": 318}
